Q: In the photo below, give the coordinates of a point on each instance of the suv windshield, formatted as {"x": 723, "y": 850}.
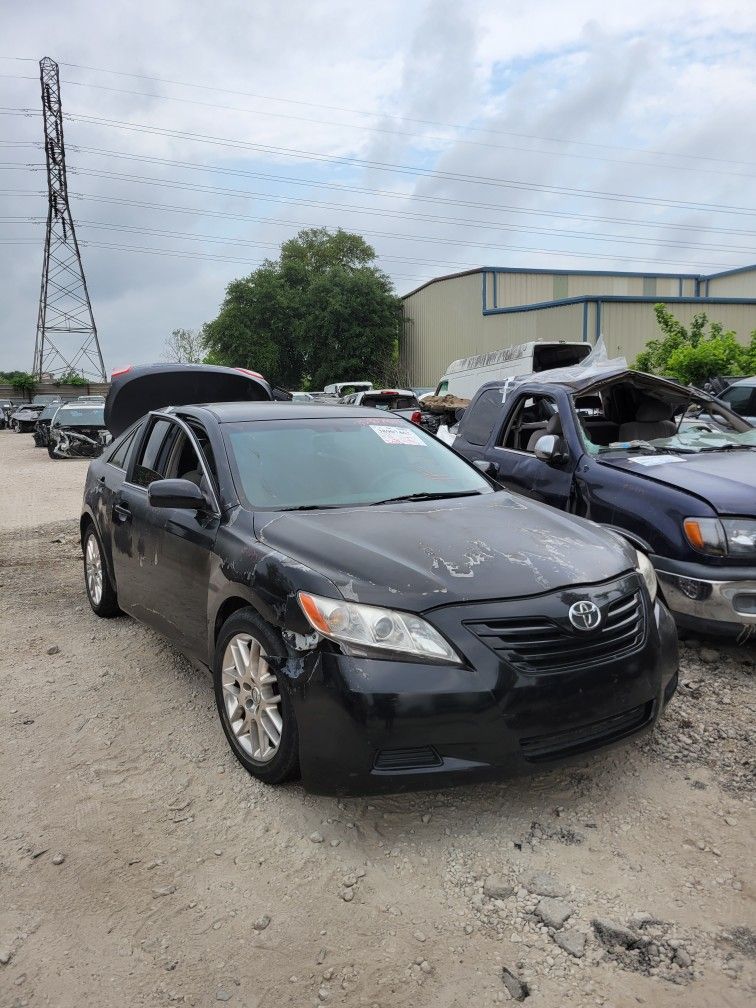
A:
{"x": 49, "y": 411}
{"x": 80, "y": 416}
{"x": 696, "y": 432}
{"x": 314, "y": 463}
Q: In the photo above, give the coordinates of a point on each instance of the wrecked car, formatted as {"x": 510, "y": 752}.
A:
{"x": 42, "y": 426}
{"x": 669, "y": 468}
{"x": 24, "y": 418}
{"x": 377, "y": 613}
{"x": 77, "y": 431}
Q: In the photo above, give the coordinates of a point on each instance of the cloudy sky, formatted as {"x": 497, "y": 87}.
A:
{"x": 553, "y": 134}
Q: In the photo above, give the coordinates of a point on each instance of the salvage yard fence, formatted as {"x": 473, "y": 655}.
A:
{"x": 7, "y": 391}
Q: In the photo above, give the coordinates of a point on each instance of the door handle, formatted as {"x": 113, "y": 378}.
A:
{"x": 122, "y": 512}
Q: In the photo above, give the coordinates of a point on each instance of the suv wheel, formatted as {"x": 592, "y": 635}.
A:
{"x": 253, "y": 699}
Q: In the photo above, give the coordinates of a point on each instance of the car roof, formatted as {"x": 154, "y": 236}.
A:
{"x": 598, "y": 377}
{"x": 237, "y": 412}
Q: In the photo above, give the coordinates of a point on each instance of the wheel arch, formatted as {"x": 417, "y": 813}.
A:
{"x": 225, "y": 610}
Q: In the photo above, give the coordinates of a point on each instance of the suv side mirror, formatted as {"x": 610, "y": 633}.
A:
{"x": 487, "y": 468}
{"x": 176, "y": 493}
{"x": 550, "y": 449}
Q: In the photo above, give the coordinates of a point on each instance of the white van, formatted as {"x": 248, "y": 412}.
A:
{"x": 464, "y": 377}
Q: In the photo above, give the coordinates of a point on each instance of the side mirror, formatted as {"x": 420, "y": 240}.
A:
{"x": 175, "y": 493}
{"x": 487, "y": 468}
{"x": 550, "y": 449}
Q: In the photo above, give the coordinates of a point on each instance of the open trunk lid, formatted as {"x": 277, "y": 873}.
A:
{"x": 138, "y": 390}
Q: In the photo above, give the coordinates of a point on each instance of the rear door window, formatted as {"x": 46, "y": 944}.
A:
{"x": 120, "y": 456}
{"x": 153, "y": 458}
{"x": 480, "y": 418}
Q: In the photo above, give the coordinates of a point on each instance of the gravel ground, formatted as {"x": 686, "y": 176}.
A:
{"x": 140, "y": 865}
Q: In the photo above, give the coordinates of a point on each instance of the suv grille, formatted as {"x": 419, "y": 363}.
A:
{"x": 540, "y": 644}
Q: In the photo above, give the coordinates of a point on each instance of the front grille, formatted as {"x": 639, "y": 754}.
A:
{"x": 544, "y": 644}
{"x": 585, "y": 737}
{"x": 417, "y": 758}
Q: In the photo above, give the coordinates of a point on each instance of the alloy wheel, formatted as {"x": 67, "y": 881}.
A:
{"x": 251, "y": 698}
{"x": 93, "y": 569}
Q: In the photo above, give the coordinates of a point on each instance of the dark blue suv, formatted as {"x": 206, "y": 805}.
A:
{"x": 667, "y": 467}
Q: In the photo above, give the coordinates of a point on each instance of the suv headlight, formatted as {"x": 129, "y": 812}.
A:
{"x": 646, "y": 570}
{"x": 725, "y": 537}
{"x": 740, "y": 534}
{"x": 375, "y": 628}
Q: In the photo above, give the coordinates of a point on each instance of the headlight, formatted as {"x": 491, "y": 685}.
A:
{"x": 647, "y": 572}
{"x": 740, "y": 534}
{"x": 375, "y": 628}
{"x": 728, "y": 537}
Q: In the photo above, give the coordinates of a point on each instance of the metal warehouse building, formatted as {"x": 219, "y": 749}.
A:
{"x": 490, "y": 307}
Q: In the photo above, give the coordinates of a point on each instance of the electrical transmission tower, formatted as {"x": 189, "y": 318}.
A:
{"x": 66, "y": 331}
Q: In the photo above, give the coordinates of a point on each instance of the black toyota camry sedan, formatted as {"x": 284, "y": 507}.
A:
{"x": 376, "y": 612}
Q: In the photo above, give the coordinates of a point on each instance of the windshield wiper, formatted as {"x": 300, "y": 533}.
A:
{"x": 726, "y": 447}
{"x": 312, "y": 507}
{"x": 440, "y": 495}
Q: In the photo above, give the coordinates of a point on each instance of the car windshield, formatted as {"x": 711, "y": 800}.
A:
{"x": 330, "y": 462}
{"x": 49, "y": 411}
{"x": 81, "y": 416}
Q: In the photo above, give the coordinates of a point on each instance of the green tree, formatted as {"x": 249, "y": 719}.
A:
{"x": 185, "y": 346}
{"x": 695, "y": 354}
{"x": 72, "y": 378}
{"x": 321, "y": 312}
{"x": 22, "y": 382}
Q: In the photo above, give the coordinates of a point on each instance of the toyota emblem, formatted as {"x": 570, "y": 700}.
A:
{"x": 584, "y": 615}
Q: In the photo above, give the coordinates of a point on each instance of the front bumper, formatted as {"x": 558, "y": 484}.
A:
{"x": 372, "y": 725}
{"x": 720, "y": 600}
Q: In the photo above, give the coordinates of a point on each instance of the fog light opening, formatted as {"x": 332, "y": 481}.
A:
{"x": 698, "y": 591}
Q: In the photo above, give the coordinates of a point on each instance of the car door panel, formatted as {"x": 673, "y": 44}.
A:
{"x": 163, "y": 555}
{"x": 184, "y": 556}
{"x": 521, "y": 471}
{"x": 527, "y": 475}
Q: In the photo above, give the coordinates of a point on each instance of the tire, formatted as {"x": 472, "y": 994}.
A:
{"x": 100, "y": 591}
{"x": 51, "y": 453}
{"x": 249, "y": 722}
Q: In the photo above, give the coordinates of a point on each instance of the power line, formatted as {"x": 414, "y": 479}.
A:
{"x": 410, "y": 135}
{"x": 231, "y": 240}
{"x": 411, "y": 170}
{"x": 401, "y": 214}
{"x": 301, "y": 154}
{"x": 397, "y": 118}
{"x": 438, "y": 220}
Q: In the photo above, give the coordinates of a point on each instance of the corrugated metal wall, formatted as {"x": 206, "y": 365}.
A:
{"x": 444, "y": 320}
{"x": 627, "y": 327}
{"x": 741, "y": 284}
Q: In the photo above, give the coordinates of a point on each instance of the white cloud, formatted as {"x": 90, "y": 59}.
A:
{"x": 647, "y": 76}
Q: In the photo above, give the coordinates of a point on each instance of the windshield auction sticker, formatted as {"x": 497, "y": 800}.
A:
{"x": 397, "y": 435}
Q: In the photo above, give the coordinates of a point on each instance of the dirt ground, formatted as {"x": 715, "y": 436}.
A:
{"x": 140, "y": 865}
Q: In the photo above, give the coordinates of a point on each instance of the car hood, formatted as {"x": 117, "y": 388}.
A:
{"x": 725, "y": 479}
{"x": 416, "y": 556}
